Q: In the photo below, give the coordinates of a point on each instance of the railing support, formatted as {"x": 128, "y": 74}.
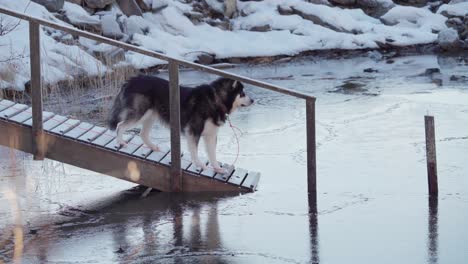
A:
{"x": 311, "y": 147}
{"x": 36, "y": 91}
{"x": 174, "y": 98}
{"x": 431, "y": 155}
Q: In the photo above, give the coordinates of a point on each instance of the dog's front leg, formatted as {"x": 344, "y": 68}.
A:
{"x": 192, "y": 142}
{"x": 210, "y": 141}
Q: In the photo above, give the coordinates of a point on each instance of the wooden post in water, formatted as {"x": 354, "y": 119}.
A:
{"x": 174, "y": 98}
{"x": 431, "y": 155}
{"x": 36, "y": 91}
{"x": 311, "y": 147}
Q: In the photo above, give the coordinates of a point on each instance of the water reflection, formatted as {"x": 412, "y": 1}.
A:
{"x": 162, "y": 228}
{"x": 313, "y": 229}
{"x": 432, "y": 237}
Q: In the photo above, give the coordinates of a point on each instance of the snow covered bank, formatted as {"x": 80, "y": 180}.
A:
{"x": 182, "y": 30}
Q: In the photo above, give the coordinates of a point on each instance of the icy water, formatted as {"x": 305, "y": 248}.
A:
{"x": 372, "y": 198}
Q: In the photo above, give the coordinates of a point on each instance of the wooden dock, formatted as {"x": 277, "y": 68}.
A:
{"x": 95, "y": 148}
{"x": 47, "y": 135}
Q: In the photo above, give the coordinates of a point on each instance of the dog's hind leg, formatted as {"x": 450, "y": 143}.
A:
{"x": 192, "y": 142}
{"x": 121, "y": 128}
{"x": 148, "y": 120}
{"x": 210, "y": 143}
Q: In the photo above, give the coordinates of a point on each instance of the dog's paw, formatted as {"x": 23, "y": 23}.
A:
{"x": 200, "y": 166}
{"x": 219, "y": 170}
{"x": 122, "y": 144}
{"x": 155, "y": 148}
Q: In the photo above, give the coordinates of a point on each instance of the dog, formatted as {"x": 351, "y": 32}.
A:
{"x": 204, "y": 109}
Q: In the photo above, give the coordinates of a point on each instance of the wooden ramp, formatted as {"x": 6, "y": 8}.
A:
{"x": 95, "y": 148}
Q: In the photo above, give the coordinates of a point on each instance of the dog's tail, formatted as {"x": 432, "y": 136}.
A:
{"x": 115, "y": 113}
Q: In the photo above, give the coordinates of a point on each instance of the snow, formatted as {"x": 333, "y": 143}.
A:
{"x": 413, "y": 17}
{"x": 459, "y": 9}
{"x": 170, "y": 32}
{"x": 78, "y": 15}
{"x": 59, "y": 61}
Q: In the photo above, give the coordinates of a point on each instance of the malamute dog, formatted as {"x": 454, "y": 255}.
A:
{"x": 145, "y": 100}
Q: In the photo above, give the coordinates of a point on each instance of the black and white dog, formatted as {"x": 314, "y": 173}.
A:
{"x": 145, "y": 99}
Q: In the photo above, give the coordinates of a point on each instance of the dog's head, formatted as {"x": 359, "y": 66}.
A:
{"x": 232, "y": 94}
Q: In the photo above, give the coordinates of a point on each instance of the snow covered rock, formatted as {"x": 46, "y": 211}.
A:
{"x": 375, "y": 8}
{"x": 78, "y": 17}
{"x": 454, "y": 10}
{"x": 448, "y": 40}
{"x": 51, "y": 5}
{"x": 408, "y": 16}
{"x": 227, "y": 8}
{"x": 110, "y": 27}
{"x": 98, "y": 3}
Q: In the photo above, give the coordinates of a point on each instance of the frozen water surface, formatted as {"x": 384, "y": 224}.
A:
{"x": 372, "y": 189}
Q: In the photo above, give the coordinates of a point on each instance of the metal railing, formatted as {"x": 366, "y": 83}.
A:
{"x": 174, "y": 64}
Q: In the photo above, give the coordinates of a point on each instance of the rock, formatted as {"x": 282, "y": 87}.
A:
{"x": 98, "y": 3}
{"x": 287, "y": 10}
{"x": 431, "y": 71}
{"x": 350, "y": 87}
{"x": 459, "y": 78}
{"x": 110, "y": 56}
{"x": 77, "y": 2}
{"x": 455, "y": 23}
{"x": 130, "y": 7}
{"x": 205, "y": 58}
{"x": 230, "y": 8}
{"x": 344, "y": 2}
{"x": 375, "y": 8}
{"x": 417, "y": 3}
{"x": 51, "y": 5}
{"x": 110, "y": 27}
{"x": 370, "y": 70}
{"x": 448, "y": 40}
{"x": 263, "y": 28}
{"x": 145, "y": 7}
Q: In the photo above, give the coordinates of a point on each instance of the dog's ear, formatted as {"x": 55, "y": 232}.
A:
{"x": 234, "y": 84}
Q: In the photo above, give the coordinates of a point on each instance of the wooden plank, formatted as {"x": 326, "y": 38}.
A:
{"x": 185, "y": 161}
{"x": 4, "y": 104}
{"x": 143, "y": 151}
{"x": 114, "y": 145}
{"x": 193, "y": 168}
{"x": 79, "y": 130}
{"x": 66, "y": 126}
{"x": 431, "y": 157}
{"x": 251, "y": 181}
{"x": 92, "y": 134}
{"x": 225, "y": 176}
{"x": 105, "y": 138}
{"x": 132, "y": 146}
{"x": 13, "y": 110}
{"x": 23, "y": 116}
{"x": 238, "y": 176}
{"x": 157, "y": 156}
{"x": 209, "y": 172}
{"x": 46, "y": 116}
{"x": 168, "y": 159}
{"x": 53, "y": 122}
